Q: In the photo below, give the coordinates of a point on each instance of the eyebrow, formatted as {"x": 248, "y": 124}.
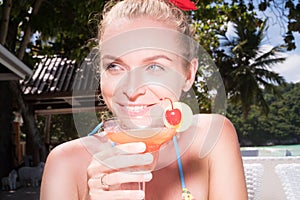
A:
{"x": 151, "y": 58}
{"x": 109, "y": 57}
{"x": 156, "y": 57}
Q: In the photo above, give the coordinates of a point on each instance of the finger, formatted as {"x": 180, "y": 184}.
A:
{"x": 125, "y": 161}
{"x": 100, "y": 182}
{"x": 117, "y": 194}
{"x": 128, "y": 148}
{"x": 97, "y": 182}
{"x": 133, "y": 147}
{"x": 110, "y": 157}
{"x": 95, "y": 144}
{"x": 126, "y": 177}
{"x": 119, "y": 162}
{"x": 97, "y": 167}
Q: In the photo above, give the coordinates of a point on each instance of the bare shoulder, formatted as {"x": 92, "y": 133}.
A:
{"x": 215, "y": 124}
{"x": 214, "y": 130}
{"x": 213, "y": 119}
{"x": 66, "y": 156}
{"x": 79, "y": 150}
{"x": 65, "y": 165}
{"x": 67, "y": 149}
{"x": 222, "y": 150}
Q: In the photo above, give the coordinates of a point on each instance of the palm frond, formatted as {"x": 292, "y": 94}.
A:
{"x": 246, "y": 69}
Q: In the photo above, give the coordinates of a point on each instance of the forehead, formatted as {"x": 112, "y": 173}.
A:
{"x": 122, "y": 38}
{"x": 141, "y": 39}
{"x": 118, "y": 26}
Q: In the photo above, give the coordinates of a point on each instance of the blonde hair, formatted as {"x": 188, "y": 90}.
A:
{"x": 161, "y": 10}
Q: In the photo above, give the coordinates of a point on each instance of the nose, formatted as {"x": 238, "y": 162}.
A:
{"x": 134, "y": 85}
{"x": 133, "y": 94}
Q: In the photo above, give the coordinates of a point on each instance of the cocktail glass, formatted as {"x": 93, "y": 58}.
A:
{"x": 150, "y": 130}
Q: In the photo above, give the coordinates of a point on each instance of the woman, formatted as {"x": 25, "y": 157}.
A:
{"x": 147, "y": 56}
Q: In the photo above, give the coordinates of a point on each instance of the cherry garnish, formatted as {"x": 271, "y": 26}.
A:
{"x": 173, "y": 116}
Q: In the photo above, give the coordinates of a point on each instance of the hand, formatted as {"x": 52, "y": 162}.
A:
{"x": 112, "y": 167}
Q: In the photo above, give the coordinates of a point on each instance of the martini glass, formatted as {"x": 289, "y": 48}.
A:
{"x": 150, "y": 130}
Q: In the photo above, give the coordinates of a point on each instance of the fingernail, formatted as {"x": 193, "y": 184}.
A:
{"x": 148, "y": 158}
{"x": 148, "y": 176}
{"x": 140, "y": 194}
{"x": 140, "y": 146}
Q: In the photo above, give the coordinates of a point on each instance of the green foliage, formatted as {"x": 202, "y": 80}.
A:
{"x": 209, "y": 20}
{"x": 61, "y": 128}
{"x": 287, "y": 15}
{"x": 67, "y": 27}
{"x": 281, "y": 126}
{"x": 60, "y": 27}
{"x": 65, "y": 127}
{"x": 245, "y": 66}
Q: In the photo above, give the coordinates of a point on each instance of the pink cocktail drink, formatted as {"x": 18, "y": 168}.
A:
{"x": 153, "y": 138}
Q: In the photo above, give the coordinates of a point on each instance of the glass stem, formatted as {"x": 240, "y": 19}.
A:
{"x": 142, "y": 186}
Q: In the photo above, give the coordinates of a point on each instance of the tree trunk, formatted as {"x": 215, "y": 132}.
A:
{"x": 28, "y": 31}
{"x": 34, "y": 145}
{"x": 5, "y": 21}
{"x": 47, "y": 135}
{"x": 6, "y": 130}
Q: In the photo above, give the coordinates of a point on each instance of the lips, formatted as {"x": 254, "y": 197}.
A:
{"x": 138, "y": 110}
{"x": 134, "y": 110}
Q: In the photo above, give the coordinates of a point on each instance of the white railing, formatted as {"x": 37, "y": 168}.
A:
{"x": 289, "y": 175}
{"x": 271, "y": 178}
{"x": 253, "y": 175}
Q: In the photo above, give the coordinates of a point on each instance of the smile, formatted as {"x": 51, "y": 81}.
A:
{"x": 135, "y": 109}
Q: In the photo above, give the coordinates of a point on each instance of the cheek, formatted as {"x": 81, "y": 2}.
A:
{"x": 167, "y": 87}
{"x": 162, "y": 92}
{"x": 170, "y": 85}
{"x": 108, "y": 86}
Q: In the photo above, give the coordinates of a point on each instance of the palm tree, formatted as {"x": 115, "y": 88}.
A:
{"x": 246, "y": 67}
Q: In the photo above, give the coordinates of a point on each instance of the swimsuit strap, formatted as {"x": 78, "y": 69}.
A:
{"x": 95, "y": 130}
{"x": 186, "y": 194}
{"x": 179, "y": 163}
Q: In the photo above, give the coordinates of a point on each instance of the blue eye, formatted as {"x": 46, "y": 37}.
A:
{"x": 155, "y": 67}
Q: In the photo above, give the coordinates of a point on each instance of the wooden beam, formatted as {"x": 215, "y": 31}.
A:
{"x": 61, "y": 95}
{"x": 47, "y": 102}
{"x": 8, "y": 77}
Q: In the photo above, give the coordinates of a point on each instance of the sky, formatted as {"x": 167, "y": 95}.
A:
{"x": 290, "y": 68}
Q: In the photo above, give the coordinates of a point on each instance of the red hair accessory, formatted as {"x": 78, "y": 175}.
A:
{"x": 184, "y": 4}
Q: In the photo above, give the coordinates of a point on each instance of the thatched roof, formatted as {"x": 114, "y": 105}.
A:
{"x": 60, "y": 85}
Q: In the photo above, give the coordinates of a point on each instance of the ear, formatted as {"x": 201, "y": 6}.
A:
{"x": 190, "y": 78}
